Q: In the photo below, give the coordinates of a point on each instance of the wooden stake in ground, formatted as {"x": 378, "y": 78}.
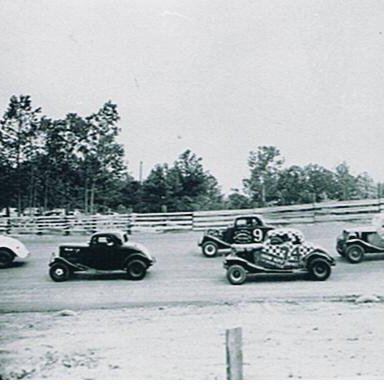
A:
{"x": 233, "y": 338}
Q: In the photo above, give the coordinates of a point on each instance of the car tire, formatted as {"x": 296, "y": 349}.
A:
{"x": 59, "y": 272}
{"x": 210, "y": 249}
{"x": 354, "y": 254}
{"x": 136, "y": 270}
{"x": 6, "y": 258}
{"x": 236, "y": 274}
{"x": 319, "y": 269}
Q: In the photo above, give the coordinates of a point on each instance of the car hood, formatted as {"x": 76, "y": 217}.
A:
{"x": 74, "y": 245}
{"x": 312, "y": 246}
{"x": 247, "y": 246}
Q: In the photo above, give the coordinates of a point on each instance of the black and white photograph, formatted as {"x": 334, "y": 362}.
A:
{"x": 191, "y": 190}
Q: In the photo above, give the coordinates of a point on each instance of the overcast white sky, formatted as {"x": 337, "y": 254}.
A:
{"x": 220, "y": 77}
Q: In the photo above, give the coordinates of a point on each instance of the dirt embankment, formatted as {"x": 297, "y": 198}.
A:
{"x": 281, "y": 340}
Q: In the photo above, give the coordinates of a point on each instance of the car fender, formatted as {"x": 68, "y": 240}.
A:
{"x": 366, "y": 246}
{"x": 77, "y": 267}
{"x": 318, "y": 253}
{"x": 139, "y": 249}
{"x": 138, "y": 256}
{"x": 250, "y": 267}
{"x": 15, "y": 246}
{"x": 221, "y": 244}
{"x": 233, "y": 259}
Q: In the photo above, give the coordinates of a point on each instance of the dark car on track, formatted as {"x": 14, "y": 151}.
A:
{"x": 284, "y": 251}
{"x": 106, "y": 251}
{"x": 245, "y": 230}
{"x": 354, "y": 243}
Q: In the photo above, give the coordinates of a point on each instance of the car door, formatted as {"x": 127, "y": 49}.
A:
{"x": 242, "y": 231}
{"x": 101, "y": 249}
{"x": 280, "y": 252}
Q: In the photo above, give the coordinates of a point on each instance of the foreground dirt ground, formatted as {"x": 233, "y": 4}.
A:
{"x": 281, "y": 340}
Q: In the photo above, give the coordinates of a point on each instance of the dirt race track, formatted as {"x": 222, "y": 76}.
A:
{"x": 171, "y": 325}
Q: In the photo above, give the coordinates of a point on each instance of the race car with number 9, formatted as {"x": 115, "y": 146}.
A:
{"x": 245, "y": 229}
{"x": 284, "y": 251}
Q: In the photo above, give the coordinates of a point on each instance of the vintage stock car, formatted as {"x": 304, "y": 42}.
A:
{"x": 11, "y": 248}
{"x": 106, "y": 251}
{"x": 245, "y": 229}
{"x": 283, "y": 251}
{"x": 355, "y": 243}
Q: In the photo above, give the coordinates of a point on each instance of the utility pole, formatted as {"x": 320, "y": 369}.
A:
{"x": 141, "y": 172}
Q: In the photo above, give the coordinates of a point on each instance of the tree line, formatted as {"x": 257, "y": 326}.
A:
{"x": 77, "y": 163}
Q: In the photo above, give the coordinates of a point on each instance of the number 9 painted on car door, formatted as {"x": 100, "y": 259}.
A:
{"x": 257, "y": 235}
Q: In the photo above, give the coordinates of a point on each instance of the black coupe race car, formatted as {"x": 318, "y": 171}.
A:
{"x": 283, "y": 251}
{"x": 245, "y": 230}
{"x": 106, "y": 251}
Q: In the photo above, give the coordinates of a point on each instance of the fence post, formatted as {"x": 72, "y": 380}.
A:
{"x": 67, "y": 226}
{"x": 129, "y": 224}
{"x": 8, "y": 226}
{"x": 234, "y": 354}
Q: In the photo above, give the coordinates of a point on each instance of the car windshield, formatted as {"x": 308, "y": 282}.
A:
{"x": 251, "y": 221}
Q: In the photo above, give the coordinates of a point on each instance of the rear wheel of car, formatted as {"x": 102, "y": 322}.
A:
{"x": 354, "y": 254}
{"x": 60, "y": 272}
{"x": 6, "y": 258}
{"x": 136, "y": 270}
{"x": 236, "y": 274}
{"x": 210, "y": 249}
{"x": 319, "y": 269}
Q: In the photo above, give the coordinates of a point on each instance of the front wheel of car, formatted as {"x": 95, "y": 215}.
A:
{"x": 136, "y": 270}
{"x": 354, "y": 254}
{"x": 236, "y": 274}
{"x": 6, "y": 258}
{"x": 319, "y": 269}
{"x": 59, "y": 272}
{"x": 210, "y": 249}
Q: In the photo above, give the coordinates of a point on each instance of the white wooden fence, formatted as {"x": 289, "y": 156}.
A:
{"x": 355, "y": 210}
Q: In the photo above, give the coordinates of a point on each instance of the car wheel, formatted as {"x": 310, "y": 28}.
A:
{"x": 136, "y": 270}
{"x": 210, "y": 249}
{"x": 59, "y": 272}
{"x": 354, "y": 254}
{"x": 6, "y": 258}
{"x": 236, "y": 274}
{"x": 319, "y": 269}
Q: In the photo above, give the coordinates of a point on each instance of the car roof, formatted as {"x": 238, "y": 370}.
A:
{"x": 250, "y": 217}
{"x": 285, "y": 231}
{"x": 111, "y": 232}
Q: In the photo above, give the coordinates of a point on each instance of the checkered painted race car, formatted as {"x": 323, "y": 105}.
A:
{"x": 283, "y": 251}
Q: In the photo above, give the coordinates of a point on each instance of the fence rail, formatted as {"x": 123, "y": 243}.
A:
{"x": 359, "y": 210}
